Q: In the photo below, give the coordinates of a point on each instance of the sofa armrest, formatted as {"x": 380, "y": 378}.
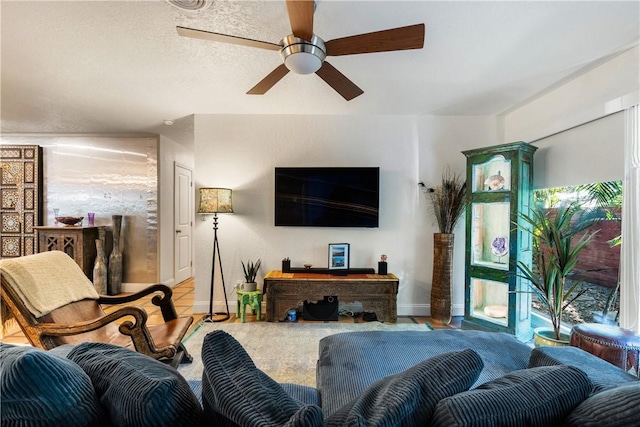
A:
{"x": 603, "y": 375}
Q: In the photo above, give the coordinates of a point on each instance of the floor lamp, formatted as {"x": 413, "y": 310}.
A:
{"x": 215, "y": 201}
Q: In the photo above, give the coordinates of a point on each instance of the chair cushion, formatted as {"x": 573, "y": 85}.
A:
{"x": 236, "y": 393}
{"x": 529, "y": 397}
{"x": 135, "y": 389}
{"x": 42, "y": 389}
{"x": 410, "y": 397}
{"x": 617, "y": 407}
{"x": 37, "y": 279}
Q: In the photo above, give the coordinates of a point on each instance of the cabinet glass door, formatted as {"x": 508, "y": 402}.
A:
{"x": 489, "y": 300}
{"x": 492, "y": 175}
{"x": 490, "y": 235}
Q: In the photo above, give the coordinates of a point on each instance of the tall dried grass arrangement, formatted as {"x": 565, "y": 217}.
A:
{"x": 448, "y": 200}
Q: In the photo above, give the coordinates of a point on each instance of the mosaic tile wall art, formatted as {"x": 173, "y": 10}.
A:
{"x": 20, "y": 199}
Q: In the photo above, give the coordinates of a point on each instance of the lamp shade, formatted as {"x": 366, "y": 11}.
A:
{"x": 215, "y": 200}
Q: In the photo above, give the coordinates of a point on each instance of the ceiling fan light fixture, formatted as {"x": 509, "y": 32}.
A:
{"x": 301, "y": 56}
{"x": 303, "y": 63}
{"x": 190, "y": 5}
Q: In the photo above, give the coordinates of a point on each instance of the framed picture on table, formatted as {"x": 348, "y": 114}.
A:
{"x": 339, "y": 256}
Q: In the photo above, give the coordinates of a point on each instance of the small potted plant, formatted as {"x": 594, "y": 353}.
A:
{"x": 556, "y": 258}
{"x": 250, "y": 270}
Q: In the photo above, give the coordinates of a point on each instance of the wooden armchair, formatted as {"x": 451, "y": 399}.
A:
{"x": 54, "y": 303}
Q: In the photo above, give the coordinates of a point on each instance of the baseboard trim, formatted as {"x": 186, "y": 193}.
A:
{"x": 134, "y": 287}
{"x": 137, "y": 287}
{"x": 218, "y": 306}
{"x": 403, "y": 309}
{"x": 414, "y": 309}
{"x": 169, "y": 282}
{"x": 425, "y": 310}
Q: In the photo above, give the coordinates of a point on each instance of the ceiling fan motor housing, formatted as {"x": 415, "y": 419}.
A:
{"x": 302, "y": 56}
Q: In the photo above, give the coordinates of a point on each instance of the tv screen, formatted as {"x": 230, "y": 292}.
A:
{"x": 327, "y": 196}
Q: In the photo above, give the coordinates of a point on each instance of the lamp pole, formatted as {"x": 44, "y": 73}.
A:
{"x": 216, "y": 249}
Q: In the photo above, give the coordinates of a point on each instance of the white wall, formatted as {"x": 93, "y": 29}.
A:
{"x": 171, "y": 152}
{"x": 442, "y": 138}
{"x": 580, "y": 136}
{"x": 593, "y": 152}
{"x": 241, "y": 152}
{"x": 579, "y": 101}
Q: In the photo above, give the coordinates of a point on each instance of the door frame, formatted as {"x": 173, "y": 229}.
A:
{"x": 181, "y": 273}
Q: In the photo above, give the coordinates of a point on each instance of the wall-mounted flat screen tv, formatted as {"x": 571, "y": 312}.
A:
{"x": 327, "y": 196}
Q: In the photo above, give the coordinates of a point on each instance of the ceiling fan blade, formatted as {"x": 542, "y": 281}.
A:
{"x": 268, "y": 82}
{"x": 338, "y": 81}
{"x": 301, "y": 18}
{"x": 224, "y": 38}
{"x": 402, "y": 38}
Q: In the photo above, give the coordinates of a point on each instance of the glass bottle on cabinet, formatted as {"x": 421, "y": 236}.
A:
{"x": 499, "y": 191}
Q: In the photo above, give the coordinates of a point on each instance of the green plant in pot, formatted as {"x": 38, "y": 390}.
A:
{"x": 447, "y": 205}
{"x": 559, "y": 238}
{"x": 250, "y": 270}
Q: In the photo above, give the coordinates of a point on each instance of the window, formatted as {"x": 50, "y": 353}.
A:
{"x": 599, "y": 262}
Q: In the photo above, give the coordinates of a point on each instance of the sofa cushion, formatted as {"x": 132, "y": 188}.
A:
{"x": 350, "y": 362}
{"x": 602, "y": 374}
{"x": 41, "y": 389}
{"x": 616, "y": 407}
{"x": 137, "y": 390}
{"x": 410, "y": 397}
{"x": 532, "y": 397}
{"x": 302, "y": 393}
{"x": 235, "y": 392}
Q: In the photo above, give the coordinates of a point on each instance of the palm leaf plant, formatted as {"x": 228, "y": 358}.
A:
{"x": 604, "y": 194}
{"x": 557, "y": 256}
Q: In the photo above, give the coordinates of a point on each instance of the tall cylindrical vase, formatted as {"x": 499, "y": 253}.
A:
{"x": 100, "y": 268}
{"x": 442, "y": 277}
{"x": 115, "y": 259}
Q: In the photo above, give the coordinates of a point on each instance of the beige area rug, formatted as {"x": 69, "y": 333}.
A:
{"x": 287, "y": 352}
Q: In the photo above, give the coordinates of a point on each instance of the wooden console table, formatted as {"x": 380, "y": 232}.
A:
{"x": 285, "y": 291}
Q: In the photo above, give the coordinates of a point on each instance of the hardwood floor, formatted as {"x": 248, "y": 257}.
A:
{"x": 183, "y": 294}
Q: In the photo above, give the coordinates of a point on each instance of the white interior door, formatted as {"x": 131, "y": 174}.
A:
{"x": 183, "y": 205}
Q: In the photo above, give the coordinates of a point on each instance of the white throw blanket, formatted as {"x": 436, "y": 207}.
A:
{"x": 47, "y": 281}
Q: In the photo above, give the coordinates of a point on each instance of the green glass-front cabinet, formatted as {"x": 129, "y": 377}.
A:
{"x": 499, "y": 180}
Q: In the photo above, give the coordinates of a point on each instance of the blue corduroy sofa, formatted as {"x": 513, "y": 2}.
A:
{"x": 516, "y": 386}
{"x": 409, "y": 378}
{"x": 374, "y": 378}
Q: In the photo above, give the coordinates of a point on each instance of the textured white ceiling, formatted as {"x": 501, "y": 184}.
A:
{"x": 119, "y": 66}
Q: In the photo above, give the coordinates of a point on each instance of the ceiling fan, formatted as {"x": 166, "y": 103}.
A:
{"x": 304, "y": 53}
